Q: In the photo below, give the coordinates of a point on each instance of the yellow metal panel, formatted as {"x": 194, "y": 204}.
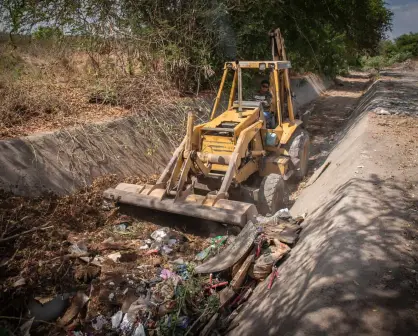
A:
{"x": 257, "y": 143}
{"x": 275, "y": 164}
{"x": 196, "y": 136}
{"x": 232, "y": 116}
{"x": 256, "y": 64}
{"x": 288, "y": 129}
{"x": 251, "y": 119}
{"x": 245, "y": 172}
{"x": 219, "y": 167}
{"x": 217, "y": 145}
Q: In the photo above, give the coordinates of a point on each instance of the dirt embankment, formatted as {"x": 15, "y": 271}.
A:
{"x": 354, "y": 270}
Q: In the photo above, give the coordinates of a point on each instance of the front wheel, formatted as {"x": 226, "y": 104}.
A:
{"x": 272, "y": 195}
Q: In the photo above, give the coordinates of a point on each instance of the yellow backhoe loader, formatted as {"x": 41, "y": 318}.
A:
{"x": 232, "y": 167}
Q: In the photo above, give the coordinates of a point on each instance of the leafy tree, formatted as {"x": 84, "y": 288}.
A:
{"x": 192, "y": 37}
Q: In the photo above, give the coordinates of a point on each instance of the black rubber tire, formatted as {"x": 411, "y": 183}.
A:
{"x": 299, "y": 149}
{"x": 272, "y": 195}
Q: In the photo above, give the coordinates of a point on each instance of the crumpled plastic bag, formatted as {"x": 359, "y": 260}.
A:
{"x": 161, "y": 235}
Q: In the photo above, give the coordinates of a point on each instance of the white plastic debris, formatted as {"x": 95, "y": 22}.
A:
{"x": 78, "y": 248}
{"x": 144, "y": 247}
{"x": 166, "y": 250}
{"x": 96, "y": 261}
{"x": 171, "y": 242}
{"x": 114, "y": 256}
{"x": 126, "y": 325}
{"x": 381, "y": 111}
{"x": 106, "y": 206}
{"x": 283, "y": 213}
{"x": 139, "y": 330}
{"x": 99, "y": 322}
{"x": 117, "y": 319}
{"x": 160, "y": 235}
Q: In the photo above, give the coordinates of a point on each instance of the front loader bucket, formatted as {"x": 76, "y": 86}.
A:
{"x": 225, "y": 211}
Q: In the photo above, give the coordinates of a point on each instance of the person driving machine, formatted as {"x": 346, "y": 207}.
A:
{"x": 265, "y": 97}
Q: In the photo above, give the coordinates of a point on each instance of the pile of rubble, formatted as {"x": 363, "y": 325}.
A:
{"x": 163, "y": 285}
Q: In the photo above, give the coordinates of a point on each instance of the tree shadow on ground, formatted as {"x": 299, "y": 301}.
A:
{"x": 351, "y": 273}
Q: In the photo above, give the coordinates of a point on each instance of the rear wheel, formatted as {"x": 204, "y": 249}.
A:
{"x": 299, "y": 149}
{"x": 272, "y": 195}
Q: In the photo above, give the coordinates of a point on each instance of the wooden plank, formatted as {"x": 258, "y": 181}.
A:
{"x": 239, "y": 278}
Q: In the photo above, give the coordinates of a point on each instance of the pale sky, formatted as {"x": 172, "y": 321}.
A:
{"x": 405, "y": 16}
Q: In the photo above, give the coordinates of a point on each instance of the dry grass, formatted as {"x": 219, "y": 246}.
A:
{"x": 48, "y": 87}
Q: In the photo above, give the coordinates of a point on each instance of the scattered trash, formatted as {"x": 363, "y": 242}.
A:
{"x": 121, "y": 227}
{"x": 283, "y": 213}
{"x": 264, "y": 264}
{"x": 77, "y": 304}
{"x": 137, "y": 307}
{"x": 232, "y": 253}
{"x": 139, "y": 330}
{"x": 202, "y": 255}
{"x": 20, "y": 282}
{"x": 178, "y": 261}
{"x": 106, "y": 205}
{"x": 216, "y": 243}
{"x": 182, "y": 271}
{"x": 161, "y": 235}
{"x": 381, "y": 111}
{"x": 98, "y": 322}
{"x": 78, "y": 248}
{"x": 142, "y": 293}
{"x": 183, "y": 322}
{"x": 165, "y": 274}
{"x": 50, "y": 310}
{"x": 97, "y": 260}
{"x": 117, "y": 319}
{"x": 166, "y": 250}
{"x": 114, "y": 256}
{"x": 171, "y": 242}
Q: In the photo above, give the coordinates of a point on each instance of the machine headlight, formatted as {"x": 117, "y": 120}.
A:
{"x": 262, "y": 66}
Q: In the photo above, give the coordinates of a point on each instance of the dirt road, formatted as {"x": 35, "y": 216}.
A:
{"x": 354, "y": 270}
